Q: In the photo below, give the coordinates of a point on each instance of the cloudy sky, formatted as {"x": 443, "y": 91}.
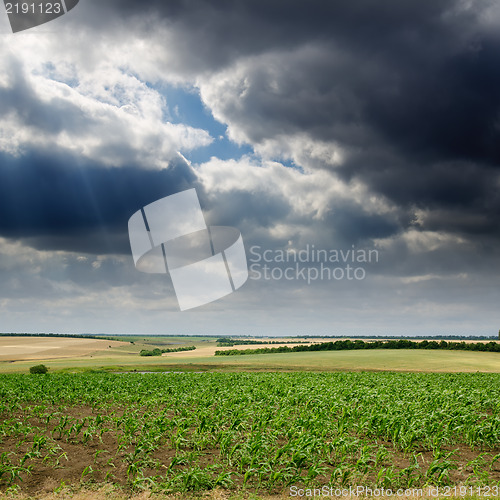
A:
{"x": 342, "y": 125}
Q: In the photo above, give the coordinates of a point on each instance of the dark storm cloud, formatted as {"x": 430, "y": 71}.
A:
{"x": 459, "y": 197}
{"x": 356, "y": 226}
{"x": 451, "y": 184}
{"x": 222, "y": 29}
{"x": 446, "y": 109}
{"x": 55, "y": 202}
{"x": 410, "y": 89}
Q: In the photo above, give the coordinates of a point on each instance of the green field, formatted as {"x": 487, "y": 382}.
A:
{"x": 326, "y": 419}
{"x": 392, "y": 360}
{"x": 127, "y": 358}
{"x": 249, "y": 433}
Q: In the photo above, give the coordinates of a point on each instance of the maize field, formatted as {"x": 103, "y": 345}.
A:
{"x": 256, "y": 432}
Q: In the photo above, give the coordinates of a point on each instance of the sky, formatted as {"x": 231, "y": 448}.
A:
{"x": 357, "y": 128}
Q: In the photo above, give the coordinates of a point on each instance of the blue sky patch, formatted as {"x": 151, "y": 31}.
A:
{"x": 185, "y": 106}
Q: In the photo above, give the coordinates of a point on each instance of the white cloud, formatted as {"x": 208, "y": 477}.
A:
{"x": 423, "y": 241}
{"x": 312, "y": 194}
{"x": 102, "y": 113}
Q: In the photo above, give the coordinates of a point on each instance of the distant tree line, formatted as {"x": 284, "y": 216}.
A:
{"x": 179, "y": 349}
{"x": 394, "y": 337}
{"x": 346, "y": 345}
{"x": 59, "y": 335}
{"x": 228, "y": 342}
{"x": 159, "y": 352}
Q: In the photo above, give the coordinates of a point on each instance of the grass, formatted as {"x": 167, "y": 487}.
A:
{"x": 384, "y": 360}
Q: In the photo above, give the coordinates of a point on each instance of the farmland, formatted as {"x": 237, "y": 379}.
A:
{"x": 31, "y": 348}
{"x": 249, "y": 432}
{"x": 124, "y": 355}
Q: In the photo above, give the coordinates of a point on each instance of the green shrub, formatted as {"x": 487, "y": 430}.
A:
{"x": 158, "y": 352}
{"x": 154, "y": 352}
{"x": 39, "y": 369}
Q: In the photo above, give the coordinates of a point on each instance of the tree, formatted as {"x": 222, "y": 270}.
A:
{"x": 39, "y": 369}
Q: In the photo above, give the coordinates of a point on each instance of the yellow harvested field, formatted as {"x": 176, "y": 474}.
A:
{"x": 27, "y": 348}
{"x": 210, "y": 350}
